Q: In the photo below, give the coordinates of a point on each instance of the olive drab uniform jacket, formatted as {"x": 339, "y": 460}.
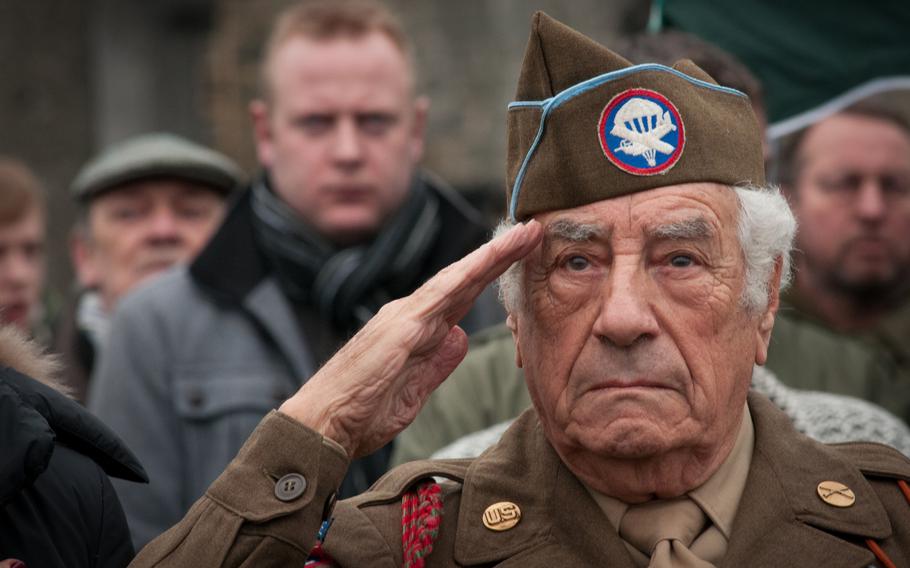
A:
{"x": 249, "y": 517}
{"x": 885, "y": 382}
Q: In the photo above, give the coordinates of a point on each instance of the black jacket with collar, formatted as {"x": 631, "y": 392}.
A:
{"x": 57, "y": 505}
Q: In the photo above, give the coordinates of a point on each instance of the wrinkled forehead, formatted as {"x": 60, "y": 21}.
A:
{"x": 697, "y": 210}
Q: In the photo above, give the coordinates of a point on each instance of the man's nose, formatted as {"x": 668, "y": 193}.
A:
{"x": 16, "y": 269}
{"x": 870, "y": 203}
{"x": 625, "y": 314}
{"x": 347, "y": 147}
{"x": 164, "y": 225}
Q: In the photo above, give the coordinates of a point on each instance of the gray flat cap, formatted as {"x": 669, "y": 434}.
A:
{"x": 155, "y": 155}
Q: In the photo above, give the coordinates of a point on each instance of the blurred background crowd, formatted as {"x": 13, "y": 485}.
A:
{"x": 131, "y": 137}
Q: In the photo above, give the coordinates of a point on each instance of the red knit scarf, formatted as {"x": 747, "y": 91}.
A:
{"x": 421, "y": 514}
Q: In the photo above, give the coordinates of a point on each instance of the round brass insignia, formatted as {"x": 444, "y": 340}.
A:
{"x": 836, "y": 494}
{"x": 501, "y": 516}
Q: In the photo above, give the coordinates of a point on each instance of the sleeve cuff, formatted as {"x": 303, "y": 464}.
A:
{"x": 278, "y": 447}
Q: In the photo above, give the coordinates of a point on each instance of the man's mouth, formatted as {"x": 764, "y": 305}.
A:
{"x": 14, "y": 312}
{"x": 349, "y": 192}
{"x": 159, "y": 264}
{"x": 623, "y": 384}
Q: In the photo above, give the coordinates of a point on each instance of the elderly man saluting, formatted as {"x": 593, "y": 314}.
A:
{"x": 649, "y": 265}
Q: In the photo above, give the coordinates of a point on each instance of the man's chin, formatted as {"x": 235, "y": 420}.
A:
{"x": 869, "y": 282}
{"x": 350, "y": 229}
{"x": 621, "y": 439}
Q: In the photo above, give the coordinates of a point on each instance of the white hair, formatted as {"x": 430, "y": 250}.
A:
{"x": 766, "y": 227}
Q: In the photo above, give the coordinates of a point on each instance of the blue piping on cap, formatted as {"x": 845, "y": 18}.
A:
{"x": 568, "y": 94}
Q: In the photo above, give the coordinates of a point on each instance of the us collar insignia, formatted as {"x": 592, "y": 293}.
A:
{"x": 641, "y": 132}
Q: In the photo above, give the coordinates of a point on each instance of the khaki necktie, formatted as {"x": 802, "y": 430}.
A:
{"x": 663, "y": 530}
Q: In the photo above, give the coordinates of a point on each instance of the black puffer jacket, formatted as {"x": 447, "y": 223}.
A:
{"x": 57, "y": 505}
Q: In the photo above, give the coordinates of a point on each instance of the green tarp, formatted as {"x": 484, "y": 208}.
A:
{"x": 808, "y": 54}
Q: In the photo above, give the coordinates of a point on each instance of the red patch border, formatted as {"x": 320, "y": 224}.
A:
{"x": 602, "y": 138}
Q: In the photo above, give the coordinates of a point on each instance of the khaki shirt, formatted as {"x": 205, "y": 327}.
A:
{"x": 781, "y": 520}
{"x": 718, "y": 498}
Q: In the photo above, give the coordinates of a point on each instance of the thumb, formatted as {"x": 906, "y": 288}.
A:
{"x": 435, "y": 367}
{"x": 450, "y": 353}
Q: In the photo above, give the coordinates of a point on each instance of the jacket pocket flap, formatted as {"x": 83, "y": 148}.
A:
{"x": 204, "y": 398}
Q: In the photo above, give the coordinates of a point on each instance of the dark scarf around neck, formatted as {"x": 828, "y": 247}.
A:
{"x": 346, "y": 285}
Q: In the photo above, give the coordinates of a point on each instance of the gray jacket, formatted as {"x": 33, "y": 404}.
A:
{"x": 196, "y": 359}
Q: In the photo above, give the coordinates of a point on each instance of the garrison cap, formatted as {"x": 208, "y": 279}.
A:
{"x": 155, "y": 155}
{"x": 588, "y": 125}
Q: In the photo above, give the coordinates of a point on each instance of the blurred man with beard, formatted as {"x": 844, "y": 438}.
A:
{"x": 146, "y": 204}
{"x": 848, "y": 181}
{"x": 22, "y": 234}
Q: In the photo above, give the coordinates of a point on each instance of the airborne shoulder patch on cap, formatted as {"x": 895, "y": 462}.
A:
{"x": 641, "y": 132}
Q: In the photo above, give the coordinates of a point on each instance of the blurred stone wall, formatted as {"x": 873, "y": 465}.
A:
{"x": 78, "y": 75}
{"x": 45, "y": 94}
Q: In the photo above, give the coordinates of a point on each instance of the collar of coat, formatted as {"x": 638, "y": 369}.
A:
{"x": 780, "y": 514}
{"x": 231, "y": 266}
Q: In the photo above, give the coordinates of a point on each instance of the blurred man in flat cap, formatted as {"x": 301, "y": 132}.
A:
{"x": 341, "y": 221}
{"x": 145, "y": 204}
{"x": 650, "y": 258}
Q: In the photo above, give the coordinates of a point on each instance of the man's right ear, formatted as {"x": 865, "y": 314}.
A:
{"x": 83, "y": 259}
{"x": 512, "y": 324}
{"x": 262, "y": 131}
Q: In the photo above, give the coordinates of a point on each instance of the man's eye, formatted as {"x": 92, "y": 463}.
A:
{"x": 315, "y": 123}
{"x": 896, "y": 186}
{"x": 376, "y": 123}
{"x": 681, "y": 261}
{"x": 33, "y": 250}
{"x": 126, "y": 213}
{"x": 577, "y": 263}
{"x": 844, "y": 185}
{"x": 193, "y": 212}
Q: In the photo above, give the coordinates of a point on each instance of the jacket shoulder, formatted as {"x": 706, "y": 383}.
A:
{"x": 875, "y": 460}
{"x": 391, "y": 486}
{"x": 173, "y": 285}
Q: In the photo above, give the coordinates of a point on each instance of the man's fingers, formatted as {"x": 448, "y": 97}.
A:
{"x": 456, "y": 287}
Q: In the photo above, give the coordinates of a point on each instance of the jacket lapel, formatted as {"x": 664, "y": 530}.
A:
{"x": 268, "y": 306}
{"x": 781, "y": 515}
{"x": 232, "y": 271}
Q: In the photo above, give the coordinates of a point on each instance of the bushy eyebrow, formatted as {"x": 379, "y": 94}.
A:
{"x": 696, "y": 228}
{"x": 566, "y": 230}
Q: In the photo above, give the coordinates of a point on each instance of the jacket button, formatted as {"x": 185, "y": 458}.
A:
{"x": 196, "y": 399}
{"x": 290, "y": 487}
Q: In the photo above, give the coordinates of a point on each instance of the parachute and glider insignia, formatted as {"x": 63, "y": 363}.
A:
{"x": 641, "y": 132}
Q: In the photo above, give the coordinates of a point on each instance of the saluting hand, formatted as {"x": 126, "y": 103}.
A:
{"x": 377, "y": 383}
